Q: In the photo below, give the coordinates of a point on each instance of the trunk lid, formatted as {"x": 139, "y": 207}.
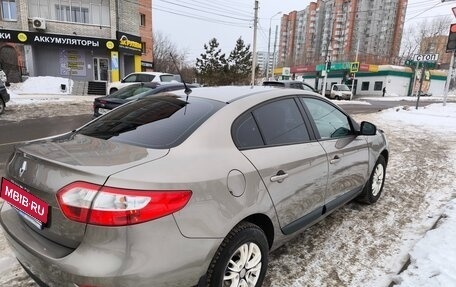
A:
{"x": 52, "y": 164}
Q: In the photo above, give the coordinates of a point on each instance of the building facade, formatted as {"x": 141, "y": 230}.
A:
{"x": 338, "y": 30}
{"x": 437, "y": 45}
{"x": 85, "y": 40}
{"x": 262, "y": 62}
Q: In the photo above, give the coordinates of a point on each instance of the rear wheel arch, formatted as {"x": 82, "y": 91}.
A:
{"x": 265, "y": 223}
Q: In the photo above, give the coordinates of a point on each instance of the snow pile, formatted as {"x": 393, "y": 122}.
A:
{"x": 41, "y": 85}
{"x": 435, "y": 116}
{"x": 434, "y": 257}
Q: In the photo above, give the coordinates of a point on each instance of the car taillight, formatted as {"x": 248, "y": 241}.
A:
{"x": 109, "y": 206}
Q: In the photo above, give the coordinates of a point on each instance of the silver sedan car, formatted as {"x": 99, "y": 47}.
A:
{"x": 177, "y": 190}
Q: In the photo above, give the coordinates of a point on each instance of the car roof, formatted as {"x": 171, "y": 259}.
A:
{"x": 152, "y": 73}
{"x": 226, "y": 94}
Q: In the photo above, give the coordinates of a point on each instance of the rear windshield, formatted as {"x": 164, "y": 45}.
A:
{"x": 158, "y": 122}
{"x": 130, "y": 91}
{"x": 274, "y": 84}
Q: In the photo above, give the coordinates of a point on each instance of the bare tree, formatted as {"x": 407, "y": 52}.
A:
{"x": 420, "y": 38}
{"x": 163, "y": 47}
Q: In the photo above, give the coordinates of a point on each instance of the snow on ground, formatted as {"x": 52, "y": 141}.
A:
{"x": 39, "y": 97}
{"x": 433, "y": 259}
{"x": 42, "y": 85}
{"x": 357, "y": 245}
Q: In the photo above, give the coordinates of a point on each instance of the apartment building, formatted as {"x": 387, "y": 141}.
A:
{"x": 86, "y": 40}
{"x": 332, "y": 30}
{"x": 262, "y": 61}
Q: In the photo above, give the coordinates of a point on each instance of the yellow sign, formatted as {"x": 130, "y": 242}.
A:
{"x": 22, "y": 37}
{"x": 110, "y": 45}
{"x": 354, "y": 67}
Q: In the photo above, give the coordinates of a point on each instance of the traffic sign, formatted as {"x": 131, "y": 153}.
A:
{"x": 354, "y": 67}
{"x": 413, "y": 64}
{"x": 425, "y": 57}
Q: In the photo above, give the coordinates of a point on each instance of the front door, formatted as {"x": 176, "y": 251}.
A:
{"x": 100, "y": 69}
{"x": 347, "y": 153}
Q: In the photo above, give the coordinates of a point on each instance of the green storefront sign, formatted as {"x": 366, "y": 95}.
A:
{"x": 335, "y": 66}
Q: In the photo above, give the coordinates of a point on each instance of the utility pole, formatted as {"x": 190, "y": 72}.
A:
{"x": 254, "y": 54}
{"x": 448, "y": 80}
{"x": 323, "y": 90}
{"x": 354, "y": 74}
{"x": 423, "y": 70}
{"x": 274, "y": 50}
{"x": 269, "y": 45}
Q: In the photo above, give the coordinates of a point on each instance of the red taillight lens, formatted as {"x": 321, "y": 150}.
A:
{"x": 109, "y": 206}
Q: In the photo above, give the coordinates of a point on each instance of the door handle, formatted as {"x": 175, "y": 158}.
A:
{"x": 335, "y": 159}
{"x": 279, "y": 177}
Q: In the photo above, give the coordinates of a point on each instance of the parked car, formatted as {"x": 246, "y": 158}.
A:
{"x": 179, "y": 190}
{"x": 4, "y": 97}
{"x": 290, "y": 84}
{"x": 132, "y": 92}
{"x": 141, "y": 77}
{"x": 339, "y": 92}
{"x": 3, "y": 77}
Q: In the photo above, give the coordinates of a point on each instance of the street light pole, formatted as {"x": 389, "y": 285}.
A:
{"x": 269, "y": 45}
{"x": 274, "y": 51}
{"x": 254, "y": 54}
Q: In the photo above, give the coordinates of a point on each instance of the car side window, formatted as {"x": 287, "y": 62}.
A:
{"x": 281, "y": 122}
{"x": 246, "y": 133}
{"x": 331, "y": 123}
{"x": 131, "y": 79}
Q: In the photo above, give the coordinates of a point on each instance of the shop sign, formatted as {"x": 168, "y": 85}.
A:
{"x": 72, "y": 62}
{"x": 302, "y": 69}
{"x": 45, "y": 39}
{"x": 149, "y": 65}
{"x": 129, "y": 43}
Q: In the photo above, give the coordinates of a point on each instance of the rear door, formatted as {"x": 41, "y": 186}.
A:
{"x": 292, "y": 164}
{"x": 347, "y": 152}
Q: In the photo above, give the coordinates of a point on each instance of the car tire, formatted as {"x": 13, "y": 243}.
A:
{"x": 113, "y": 90}
{"x": 374, "y": 186}
{"x": 337, "y": 98}
{"x": 242, "y": 258}
{"x": 2, "y": 106}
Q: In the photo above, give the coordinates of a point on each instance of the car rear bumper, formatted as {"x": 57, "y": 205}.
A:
{"x": 150, "y": 254}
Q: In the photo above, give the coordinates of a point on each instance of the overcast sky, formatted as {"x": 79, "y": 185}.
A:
{"x": 192, "y": 23}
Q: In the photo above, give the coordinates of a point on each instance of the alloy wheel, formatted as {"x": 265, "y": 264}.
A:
{"x": 377, "y": 180}
{"x": 244, "y": 266}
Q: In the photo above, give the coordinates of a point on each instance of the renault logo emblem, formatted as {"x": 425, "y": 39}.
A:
{"x": 23, "y": 168}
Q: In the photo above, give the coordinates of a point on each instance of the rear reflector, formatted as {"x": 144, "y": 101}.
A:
{"x": 109, "y": 206}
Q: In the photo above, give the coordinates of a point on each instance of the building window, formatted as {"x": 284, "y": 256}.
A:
{"x": 9, "y": 10}
{"x": 72, "y": 14}
{"x": 143, "y": 19}
{"x": 365, "y": 86}
{"x": 86, "y": 11}
{"x": 378, "y": 86}
{"x": 143, "y": 47}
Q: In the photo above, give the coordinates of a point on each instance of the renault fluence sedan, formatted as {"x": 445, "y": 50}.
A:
{"x": 185, "y": 190}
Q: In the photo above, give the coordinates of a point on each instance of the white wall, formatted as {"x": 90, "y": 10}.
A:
{"x": 395, "y": 86}
{"x": 437, "y": 87}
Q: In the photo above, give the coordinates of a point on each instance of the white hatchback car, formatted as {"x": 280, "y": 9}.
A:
{"x": 142, "y": 77}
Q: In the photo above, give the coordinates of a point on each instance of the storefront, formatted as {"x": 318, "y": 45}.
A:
{"x": 130, "y": 51}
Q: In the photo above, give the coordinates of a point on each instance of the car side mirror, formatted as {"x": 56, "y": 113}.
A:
{"x": 122, "y": 81}
{"x": 368, "y": 129}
